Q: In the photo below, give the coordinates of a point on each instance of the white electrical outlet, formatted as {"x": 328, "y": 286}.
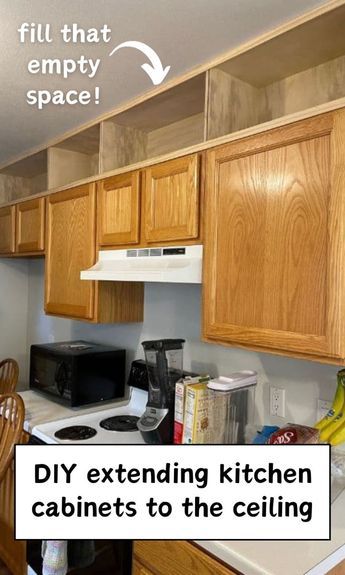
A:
{"x": 277, "y": 401}
{"x": 323, "y": 408}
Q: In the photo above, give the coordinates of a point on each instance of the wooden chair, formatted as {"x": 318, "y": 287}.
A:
{"x": 12, "y": 413}
{"x": 9, "y": 372}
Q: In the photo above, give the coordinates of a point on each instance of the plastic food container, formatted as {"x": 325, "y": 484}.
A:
{"x": 231, "y": 407}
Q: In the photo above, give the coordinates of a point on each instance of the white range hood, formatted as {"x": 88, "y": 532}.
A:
{"x": 171, "y": 264}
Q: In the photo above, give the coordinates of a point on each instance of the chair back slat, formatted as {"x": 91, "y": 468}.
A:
{"x": 9, "y": 372}
{"x": 12, "y": 413}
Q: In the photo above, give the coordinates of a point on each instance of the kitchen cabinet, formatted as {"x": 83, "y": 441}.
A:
{"x": 162, "y": 206}
{"x": 30, "y": 226}
{"x": 171, "y": 200}
{"x": 274, "y": 241}
{"x": 71, "y": 248}
{"x": 119, "y": 210}
{"x": 7, "y": 230}
{"x": 174, "y": 558}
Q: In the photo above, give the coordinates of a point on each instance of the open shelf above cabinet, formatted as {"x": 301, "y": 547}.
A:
{"x": 27, "y": 177}
{"x": 165, "y": 123}
{"x": 75, "y": 158}
{"x": 297, "y": 70}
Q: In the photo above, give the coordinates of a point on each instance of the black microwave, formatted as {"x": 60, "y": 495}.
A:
{"x": 77, "y": 373}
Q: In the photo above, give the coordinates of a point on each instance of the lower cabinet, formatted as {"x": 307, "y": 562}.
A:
{"x": 71, "y": 248}
{"x": 174, "y": 558}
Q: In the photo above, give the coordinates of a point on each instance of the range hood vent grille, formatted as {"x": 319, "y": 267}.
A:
{"x": 175, "y": 264}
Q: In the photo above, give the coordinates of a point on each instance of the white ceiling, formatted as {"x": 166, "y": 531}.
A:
{"x": 184, "y": 33}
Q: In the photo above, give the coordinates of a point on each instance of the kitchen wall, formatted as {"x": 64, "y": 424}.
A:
{"x": 13, "y": 312}
{"x": 174, "y": 311}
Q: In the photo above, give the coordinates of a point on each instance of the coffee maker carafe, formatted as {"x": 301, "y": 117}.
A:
{"x": 164, "y": 362}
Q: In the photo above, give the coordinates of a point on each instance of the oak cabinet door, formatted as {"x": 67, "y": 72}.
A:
{"x": 70, "y": 248}
{"x": 274, "y": 244}
{"x": 119, "y": 210}
{"x": 171, "y": 206}
{"x": 30, "y": 223}
{"x": 7, "y": 230}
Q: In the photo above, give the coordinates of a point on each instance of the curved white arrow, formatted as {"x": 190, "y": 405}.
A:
{"x": 155, "y": 70}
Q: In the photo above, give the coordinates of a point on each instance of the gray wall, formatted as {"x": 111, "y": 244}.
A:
{"x": 13, "y": 312}
{"x": 174, "y": 311}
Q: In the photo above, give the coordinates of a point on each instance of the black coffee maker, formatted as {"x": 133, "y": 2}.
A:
{"x": 164, "y": 362}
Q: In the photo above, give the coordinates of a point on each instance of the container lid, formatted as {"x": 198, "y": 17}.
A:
{"x": 163, "y": 344}
{"x": 234, "y": 381}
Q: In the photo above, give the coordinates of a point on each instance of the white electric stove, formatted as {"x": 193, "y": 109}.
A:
{"x": 115, "y": 425}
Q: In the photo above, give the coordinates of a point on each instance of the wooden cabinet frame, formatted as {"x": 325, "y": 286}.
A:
{"x": 330, "y": 345}
{"x": 7, "y": 230}
{"x": 36, "y": 223}
{"x": 123, "y": 209}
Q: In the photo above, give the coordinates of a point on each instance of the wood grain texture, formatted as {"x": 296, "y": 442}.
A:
{"x": 67, "y": 166}
{"x": 30, "y": 226}
{"x": 272, "y": 253}
{"x": 28, "y": 167}
{"x": 172, "y": 105}
{"x": 181, "y": 134}
{"x": 9, "y": 373}
{"x": 84, "y": 142}
{"x": 71, "y": 223}
{"x": 292, "y": 51}
{"x": 121, "y": 146}
{"x": 232, "y": 104}
{"x": 171, "y": 200}
{"x": 338, "y": 570}
{"x": 7, "y": 230}
{"x": 174, "y": 558}
{"x": 317, "y": 14}
{"x": 119, "y": 302}
{"x": 118, "y": 210}
{"x": 12, "y": 552}
{"x": 139, "y": 569}
{"x": 307, "y": 89}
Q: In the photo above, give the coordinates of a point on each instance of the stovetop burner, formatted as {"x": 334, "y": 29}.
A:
{"x": 120, "y": 423}
{"x": 76, "y": 432}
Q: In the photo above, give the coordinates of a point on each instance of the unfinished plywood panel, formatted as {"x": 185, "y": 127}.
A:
{"x": 232, "y": 104}
{"x": 181, "y": 134}
{"x": 305, "y": 46}
{"x": 170, "y": 121}
{"x": 121, "y": 146}
{"x": 67, "y": 166}
{"x": 307, "y": 89}
{"x": 25, "y": 178}
{"x": 180, "y": 102}
{"x": 75, "y": 158}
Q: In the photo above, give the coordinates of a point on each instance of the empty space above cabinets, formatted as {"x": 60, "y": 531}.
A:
{"x": 286, "y": 75}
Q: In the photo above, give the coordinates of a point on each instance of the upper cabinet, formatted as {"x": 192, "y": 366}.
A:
{"x": 30, "y": 226}
{"x": 171, "y": 204}
{"x": 71, "y": 248}
{"x": 7, "y": 230}
{"x": 119, "y": 210}
{"x": 274, "y": 241}
{"x": 159, "y": 206}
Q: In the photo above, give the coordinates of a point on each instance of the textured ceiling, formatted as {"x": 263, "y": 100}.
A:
{"x": 184, "y": 33}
